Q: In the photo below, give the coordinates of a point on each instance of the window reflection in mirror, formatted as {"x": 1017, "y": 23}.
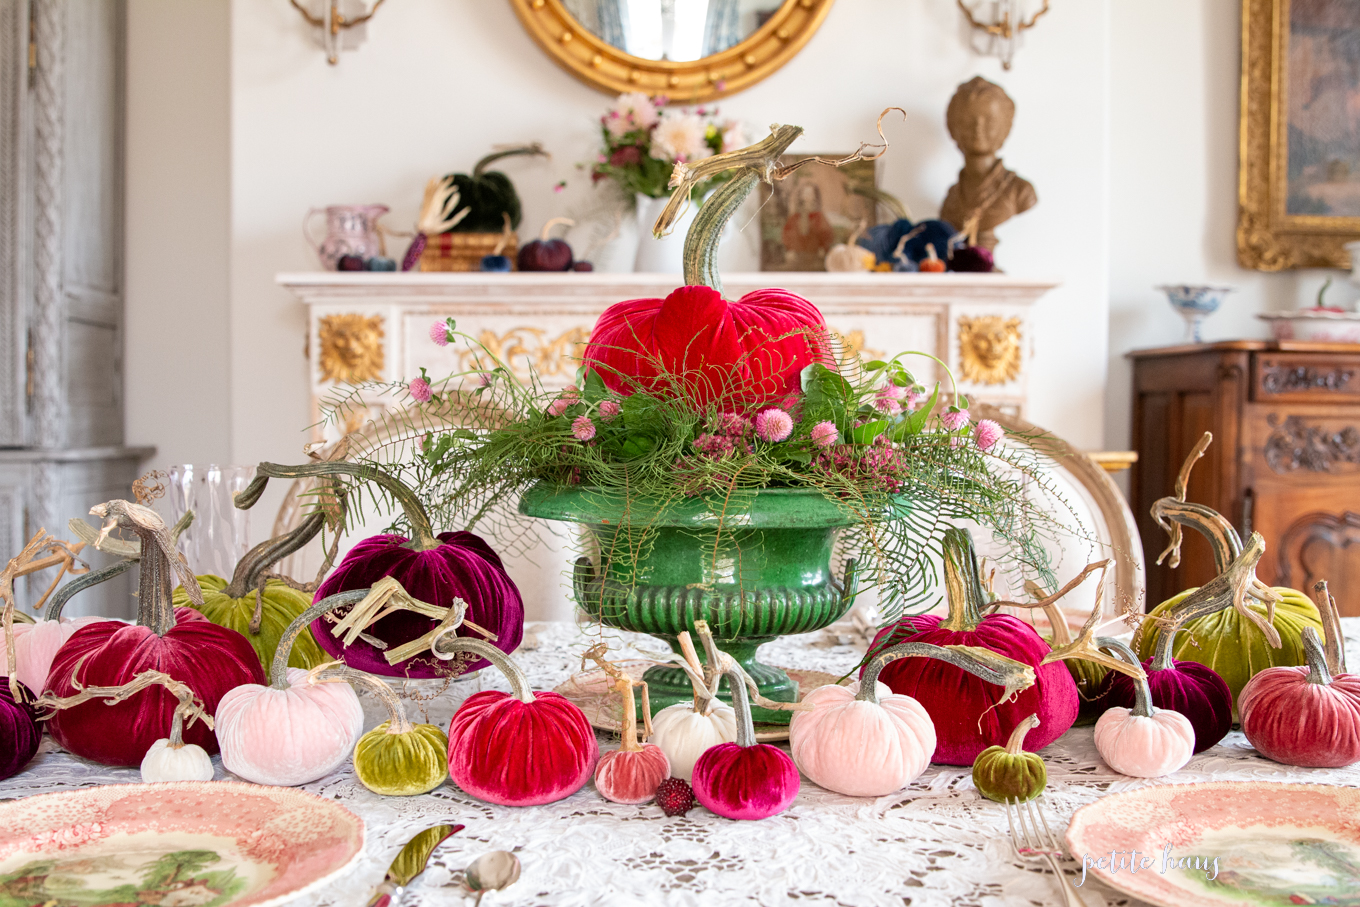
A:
{"x": 675, "y": 30}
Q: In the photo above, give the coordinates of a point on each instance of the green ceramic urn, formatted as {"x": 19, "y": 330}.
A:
{"x": 754, "y": 568}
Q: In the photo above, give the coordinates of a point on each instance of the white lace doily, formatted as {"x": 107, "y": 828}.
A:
{"x": 936, "y": 843}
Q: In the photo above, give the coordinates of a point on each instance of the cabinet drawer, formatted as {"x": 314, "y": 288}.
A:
{"x": 1306, "y": 377}
{"x": 1302, "y": 446}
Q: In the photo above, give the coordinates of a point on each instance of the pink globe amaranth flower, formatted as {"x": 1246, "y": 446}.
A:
{"x": 582, "y": 428}
{"x": 420, "y": 390}
{"x": 484, "y": 379}
{"x": 608, "y": 410}
{"x": 714, "y": 445}
{"x": 559, "y": 406}
{"x": 734, "y": 425}
{"x": 956, "y": 420}
{"x": 914, "y": 399}
{"x": 824, "y": 434}
{"x": 887, "y": 399}
{"x": 773, "y": 425}
{"x": 986, "y": 433}
{"x": 439, "y": 333}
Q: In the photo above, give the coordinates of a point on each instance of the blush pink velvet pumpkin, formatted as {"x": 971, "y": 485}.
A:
{"x": 517, "y": 749}
{"x": 36, "y": 644}
{"x": 1306, "y": 716}
{"x": 1143, "y": 741}
{"x": 745, "y": 780}
{"x": 966, "y": 710}
{"x": 866, "y": 741}
{"x": 297, "y": 729}
{"x": 632, "y": 773}
{"x": 433, "y": 569}
{"x": 179, "y": 642}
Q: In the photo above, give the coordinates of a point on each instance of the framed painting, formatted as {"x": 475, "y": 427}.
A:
{"x": 1299, "y": 162}
{"x": 803, "y": 216}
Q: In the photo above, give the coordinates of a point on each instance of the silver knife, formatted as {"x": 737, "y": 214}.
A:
{"x": 409, "y": 864}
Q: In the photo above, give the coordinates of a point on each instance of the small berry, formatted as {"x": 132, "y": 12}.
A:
{"x": 675, "y": 797}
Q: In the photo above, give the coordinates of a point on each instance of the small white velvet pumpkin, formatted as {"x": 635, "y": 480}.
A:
{"x": 186, "y": 762}
{"x": 684, "y": 734}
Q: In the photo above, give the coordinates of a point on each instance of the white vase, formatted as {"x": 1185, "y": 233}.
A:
{"x": 664, "y": 255}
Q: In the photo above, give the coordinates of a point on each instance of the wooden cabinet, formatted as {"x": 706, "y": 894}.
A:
{"x": 1285, "y": 459}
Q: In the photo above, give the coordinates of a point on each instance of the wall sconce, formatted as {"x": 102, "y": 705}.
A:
{"x": 1004, "y": 29}
{"x": 332, "y": 23}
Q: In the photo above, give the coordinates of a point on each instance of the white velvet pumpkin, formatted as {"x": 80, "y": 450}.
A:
{"x": 292, "y": 736}
{"x": 163, "y": 762}
{"x": 859, "y": 747}
{"x": 1144, "y": 747}
{"x": 684, "y": 734}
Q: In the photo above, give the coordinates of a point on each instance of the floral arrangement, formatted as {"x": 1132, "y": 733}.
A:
{"x": 644, "y": 139}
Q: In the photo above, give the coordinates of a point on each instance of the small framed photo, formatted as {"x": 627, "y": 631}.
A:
{"x": 803, "y": 216}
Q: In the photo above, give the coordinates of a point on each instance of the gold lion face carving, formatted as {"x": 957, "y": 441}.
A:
{"x": 989, "y": 349}
{"x": 351, "y": 347}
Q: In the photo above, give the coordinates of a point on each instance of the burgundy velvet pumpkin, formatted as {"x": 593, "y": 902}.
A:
{"x": 517, "y": 749}
{"x": 746, "y": 779}
{"x": 180, "y": 642}
{"x": 433, "y": 569}
{"x": 19, "y": 730}
{"x": 961, "y": 704}
{"x": 697, "y": 344}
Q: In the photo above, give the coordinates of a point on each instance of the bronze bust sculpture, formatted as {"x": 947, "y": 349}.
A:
{"x": 987, "y": 194}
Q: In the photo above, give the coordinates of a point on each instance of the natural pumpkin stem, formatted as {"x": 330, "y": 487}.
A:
{"x": 190, "y": 706}
{"x": 992, "y": 667}
{"x": 410, "y": 504}
{"x": 446, "y": 645}
{"x": 962, "y": 582}
{"x": 480, "y": 167}
{"x": 278, "y": 671}
{"x": 694, "y": 670}
{"x": 546, "y": 233}
{"x": 1015, "y": 744}
{"x": 1317, "y": 659}
{"x": 746, "y": 729}
{"x": 1173, "y": 512}
{"x": 118, "y": 547}
{"x": 624, "y": 685}
{"x": 13, "y": 569}
{"x": 1333, "y": 641}
{"x": 93, "y": 578}
{"x": 1062, "y": 634}
{"x": 1142, "y": 693}
{"x": 1087, "y": 648}
{"x": 160, "y": 563}
{"x": 252, "y": 565}
{"x": 398, "y": 722}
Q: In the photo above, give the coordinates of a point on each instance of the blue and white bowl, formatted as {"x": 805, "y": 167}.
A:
{"x": 1195, "y": 303}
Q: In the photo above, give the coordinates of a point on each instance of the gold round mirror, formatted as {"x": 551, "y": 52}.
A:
{"x": 689, "y": 50}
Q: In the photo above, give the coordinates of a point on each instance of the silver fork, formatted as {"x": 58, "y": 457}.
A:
{"x": 1031, "y": 837}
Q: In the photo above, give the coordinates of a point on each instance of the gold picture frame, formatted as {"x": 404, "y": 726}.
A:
{"x": 605, "y": 67}
{"x": 1299, "y": 213}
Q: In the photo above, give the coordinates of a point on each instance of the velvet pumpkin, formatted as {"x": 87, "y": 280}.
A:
{"x": 438, "y": 570}
{"x": 1087, "y": 675}
{"x": 631, "y": 773}
{"x": 865, "y": 740}
{"x": 170, "y": 758}
{"x": 179, "y": 642}
{"x": 489, "y": 195}
{"x": 1307, "y": 716}
{"x": 396, "y": 758}
{"x": 745, "y": 780}
{"x": 966, "y": 710}
{"x": 36, "y": 644}
{"x": 685, "y": 730}
{"x": 1143, "y": 741}
{"x": 1008, "y": 773}
{"x": 262, "y": 618}
{"x": 520, "y": 749}
{"x": 19, "y": 731}
{"x": 298, "y": 728}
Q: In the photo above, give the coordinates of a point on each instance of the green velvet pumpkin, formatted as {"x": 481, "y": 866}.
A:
{"x": 233, "y": 604}
{"x": 1088, "y": 675}
{"x": 1231, "y": 644}
{"x": 1007, "y": 772}
{"x": 489, "y": 195}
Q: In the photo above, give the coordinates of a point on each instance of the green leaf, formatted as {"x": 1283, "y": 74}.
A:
{"x": 914, "y": 423}
{"x": 635, "y": 446}
{"x": 593, "y": 387}
{"x": 875, "y": 365}
{"x": 865, "y": 434}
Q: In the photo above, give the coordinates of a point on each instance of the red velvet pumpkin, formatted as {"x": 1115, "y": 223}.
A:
{"x": 177, "y": 641}
{"x": 516, "y": 749}
{"x": 433, "y": 569}
{"x": 746, "y": 779}
{"x": 695, "y": 343}
{"x": 960, "y": 704}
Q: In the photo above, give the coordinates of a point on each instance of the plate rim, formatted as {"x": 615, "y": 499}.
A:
{"x": 237, "y": 787}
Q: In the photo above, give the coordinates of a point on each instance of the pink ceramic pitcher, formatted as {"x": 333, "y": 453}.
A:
{"x": 350, "y": 230}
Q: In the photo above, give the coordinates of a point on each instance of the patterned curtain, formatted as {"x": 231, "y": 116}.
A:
{"x": 613, "y": 20}
{"x": 722, "y": 29}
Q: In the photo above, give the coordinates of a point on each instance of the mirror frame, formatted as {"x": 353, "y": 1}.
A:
{"x": 608, "y": 69}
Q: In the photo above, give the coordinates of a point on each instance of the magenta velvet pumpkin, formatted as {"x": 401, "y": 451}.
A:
{"x": 177, "y": 641}
{"x": 961, "y": 704}
{"x": 20, "y": 733}
{"x": 520, "y": 748}
{"x": 1306, "y": 716}
{"x": 697, "y": 344}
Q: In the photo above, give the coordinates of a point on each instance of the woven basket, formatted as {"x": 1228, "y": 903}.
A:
{"x": 464, "y": 251}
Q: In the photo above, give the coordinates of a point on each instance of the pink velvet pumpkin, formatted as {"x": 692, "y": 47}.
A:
{"x": 967, "y": 711}
{"x": 866, "y": 741}
{"x": 746, "y": 779}
{"x": 297, "y": 729}
{"x": 632, "y": 773}
{"x": 520, "y": 749}
{"x": 696, "y": 344}
{"x": 1306, "y": 716}
{"x": 177, "y": 641}
{"x": 36, "y": 644}
{"x": 1143, "y": 741}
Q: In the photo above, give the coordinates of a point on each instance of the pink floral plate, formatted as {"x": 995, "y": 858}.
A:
{"x": 1222, "y": 843}
{"x": 180, "y": 844}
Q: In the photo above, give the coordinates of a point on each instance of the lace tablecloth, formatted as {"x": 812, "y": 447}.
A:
{"x": 936, "y": 843}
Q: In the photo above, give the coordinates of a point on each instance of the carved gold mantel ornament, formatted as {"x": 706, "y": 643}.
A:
{"x": 351, "y": 347}
{"x": 989, "y": 349}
